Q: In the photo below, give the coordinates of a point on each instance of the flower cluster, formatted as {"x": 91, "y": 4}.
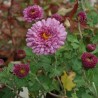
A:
{"x": 45, "y": 36}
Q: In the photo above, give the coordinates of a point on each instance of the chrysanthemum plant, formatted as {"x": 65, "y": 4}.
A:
{"x": 60, "y": 58}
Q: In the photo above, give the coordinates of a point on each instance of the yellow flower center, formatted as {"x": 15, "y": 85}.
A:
{"x": 22, "y": 71}
{"x": 89, "y": 59}
{"x": 45, "y": 36}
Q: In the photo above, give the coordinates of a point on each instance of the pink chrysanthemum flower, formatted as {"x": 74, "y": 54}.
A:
{"x": 46, "y": 36}
{"x": 21, "y": 70}
{"x": 57, "y": 17}
{"x": 33, "y": 13}
{"x": 89, "y": 60}
{"x": 91, "y": 47}
{"x": 82, "y": 17}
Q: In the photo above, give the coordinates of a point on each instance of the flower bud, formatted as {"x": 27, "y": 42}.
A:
{"x": 82, "y": 17}
{"x": 91, "y": 47}
{"x": 20, "y": 54}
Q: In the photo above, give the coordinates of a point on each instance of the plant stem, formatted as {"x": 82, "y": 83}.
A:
{"x": 57, "y": 96}
{"x": 61, "y": 85}
{"x": 93, "y": 32}
{"x": 83, "y": 7}
{"x": 94, "y": 88}
{"x": 80, "y": 32}
{"x": 64, "y": 92}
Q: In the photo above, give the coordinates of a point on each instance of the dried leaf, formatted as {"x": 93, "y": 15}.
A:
{"x": 67, "y": 80}
{"x": 67, "y": 23}
{"x": 74, "y": 10}
{"x": 63, "y": 11}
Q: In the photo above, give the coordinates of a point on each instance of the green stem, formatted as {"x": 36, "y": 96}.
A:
{"x": 82, "y": 3}
{"x": 38, "y": 81}
{"x": 80, "y": 32}
{"x": 64, "y": 92}
{"x": 93, "y": 32}
{"x": 57, "y": 96}
{"x": 61, "y": 85}
{"x": 94, "y": 88}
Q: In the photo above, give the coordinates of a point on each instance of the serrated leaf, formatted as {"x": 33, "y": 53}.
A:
{"x": 56, "y": 71}
{"x": 75, "y": 45}
{"x": 85, "y": 95}
{"x": 72, "y": 38}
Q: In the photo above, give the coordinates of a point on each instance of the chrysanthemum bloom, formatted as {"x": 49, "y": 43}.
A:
{"x": 33, "y": 13}
{"x": 20, "y": 54}
{"x": 89, "y": 60}
{"x": 46, "y": 36}
{"x": 21, "y": 70}
{"x": 57, "y": 17}
{"x": 82, "y": 17}
{"x": 91, "y": 47}
{"x": 1, "y": 63}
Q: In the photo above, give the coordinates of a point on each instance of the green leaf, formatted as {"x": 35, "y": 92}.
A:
{"x": 93, "y": 17}
{"x": 75, "y": 45}
{"x": 79, "y": 81}
{"x": 77, "y": 65}
{"x": 85, "y": 95}
{"x": 82, "y": 47}
{"x": 95, "y": 38}
{"x": 56, "y": 71}
{"x": 28, "y": 51}
{"x": 74, "y": 95}
{"x": 7, "y": 93}
{"x": 72, "y": 38}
